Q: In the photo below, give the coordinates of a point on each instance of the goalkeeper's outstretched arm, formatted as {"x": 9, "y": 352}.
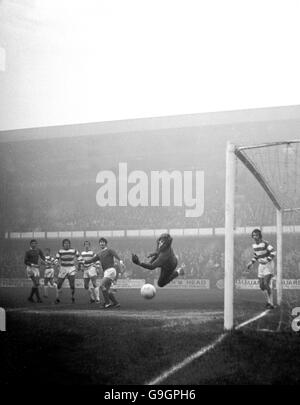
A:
{"x": 153, "y": 264}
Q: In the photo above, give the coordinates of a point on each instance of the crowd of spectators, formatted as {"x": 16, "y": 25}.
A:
{"x": 203, "y": 257}
{"x": 76, "y": 210}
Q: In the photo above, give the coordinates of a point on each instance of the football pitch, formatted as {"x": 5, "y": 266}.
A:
{"x": 177, "y": 338}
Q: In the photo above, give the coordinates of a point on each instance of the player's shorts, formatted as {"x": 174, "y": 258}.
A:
{"x": 65, "y": 271}
{"x": 110, "y": 273}
{"x": 90, "y": 272}
{"x": 49, "y": 273}
{"x": 265, "y": 269}
{"x": 32, "y": 271}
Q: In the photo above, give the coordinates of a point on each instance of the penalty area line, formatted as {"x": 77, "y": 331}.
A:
{"x": 187, "y": 361}
{"x": 200, "y": 352}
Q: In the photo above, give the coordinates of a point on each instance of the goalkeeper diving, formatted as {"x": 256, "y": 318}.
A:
{"x": 163, "y": 258}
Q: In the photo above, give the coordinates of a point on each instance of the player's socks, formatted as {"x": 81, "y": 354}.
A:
{"x": 112, "y": 298}
{"x": 58, "y": 293}
{"x": 270, "y": 298}
{"x": 180, "y": 270}
{"x": 266, "y": 295}
{"x": 97, "y": 295}
{"x": 46, "y": 291}
{"x": 106, "y": 297}
{"x": 37, "y": 293}
{"x": 92, "y": 293}
{"x": 30, "y": 298}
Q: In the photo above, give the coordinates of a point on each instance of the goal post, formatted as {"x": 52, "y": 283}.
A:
{"x": 281, "y": 201}
{"x": 279, "y": 255}
{"x": 229, "y": 236}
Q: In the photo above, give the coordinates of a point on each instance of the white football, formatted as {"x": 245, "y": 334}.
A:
{"x": 148, "y": 291}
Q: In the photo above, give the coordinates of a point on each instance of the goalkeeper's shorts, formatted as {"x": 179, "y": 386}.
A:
{"x": 265, "y": 269}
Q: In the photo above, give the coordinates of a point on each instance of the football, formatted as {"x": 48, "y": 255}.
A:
{"x": 148, "y": 291}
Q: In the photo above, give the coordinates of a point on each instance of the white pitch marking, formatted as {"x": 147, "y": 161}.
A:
{"x": 170, "y": 316}
{"x": 241, "y": 325}
{"x": 200, "y": 352}
{"x": 266, "y": 330}
{"x": 187, "y": 361}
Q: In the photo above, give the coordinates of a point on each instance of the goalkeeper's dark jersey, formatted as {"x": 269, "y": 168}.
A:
{"x": 165, "y": 259}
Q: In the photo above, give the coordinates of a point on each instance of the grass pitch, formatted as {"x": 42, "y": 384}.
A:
{"x": 81, "y": 344}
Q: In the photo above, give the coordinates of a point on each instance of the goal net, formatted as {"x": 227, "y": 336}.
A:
{"x": 262, "y": 191}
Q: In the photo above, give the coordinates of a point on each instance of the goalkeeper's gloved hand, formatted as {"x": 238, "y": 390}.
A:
{"x": 135, "y": 259}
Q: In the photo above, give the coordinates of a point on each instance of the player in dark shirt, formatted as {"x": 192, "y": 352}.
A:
{"x": 107, "y": 257}
{"x": 164, "y": 258}
{"x": 31, "y": 260}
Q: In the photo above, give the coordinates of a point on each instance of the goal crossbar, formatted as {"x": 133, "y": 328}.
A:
{"x": 266, "y": 145}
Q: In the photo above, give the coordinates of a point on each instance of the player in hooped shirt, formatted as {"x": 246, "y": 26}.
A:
{"x": 106, "y": 257}
{"x": 67, "y": 258}
{"x": 49, "y": 272}
{"x": 90, "y": 273}
{"x": 264, "y": 254}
